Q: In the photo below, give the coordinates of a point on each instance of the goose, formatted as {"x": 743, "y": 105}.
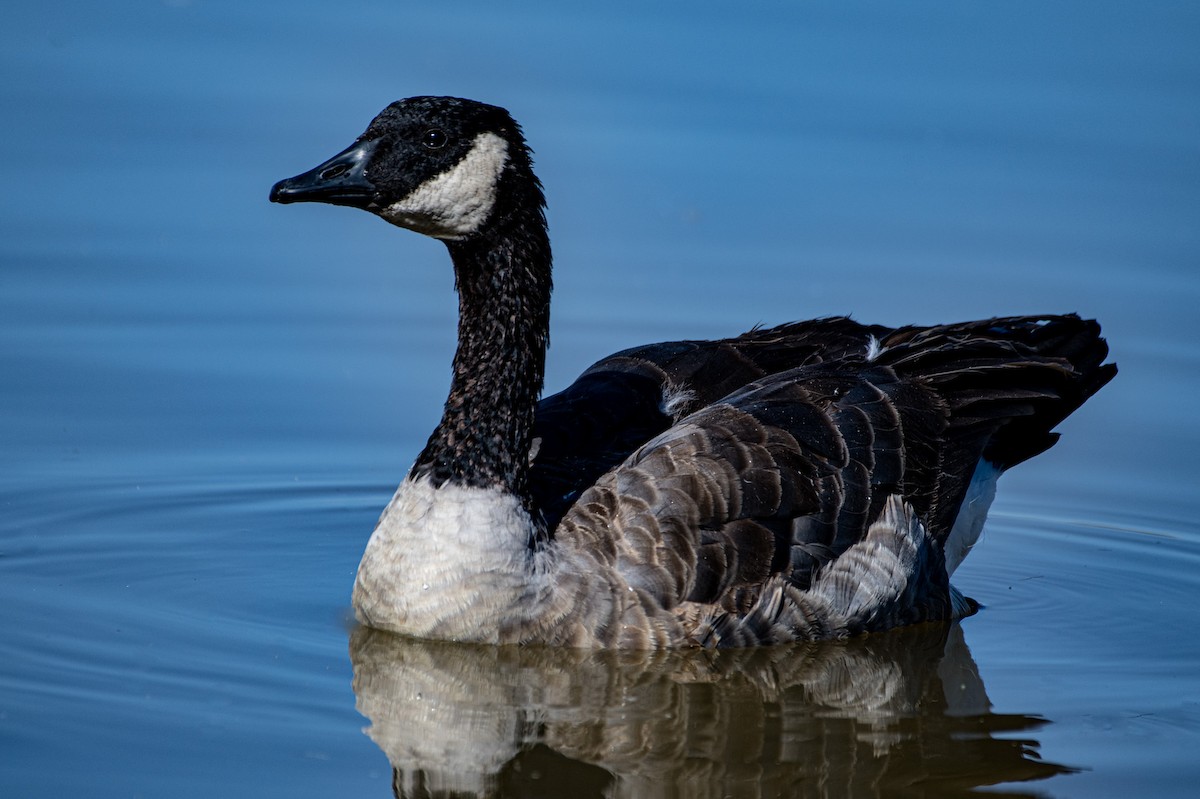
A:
{"x": 814, "y": 480}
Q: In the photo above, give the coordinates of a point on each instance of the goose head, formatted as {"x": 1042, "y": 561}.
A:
{"x": 441, "y": 166}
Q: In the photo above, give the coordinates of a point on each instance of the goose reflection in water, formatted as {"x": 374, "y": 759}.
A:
{"x": 879, "y": 715}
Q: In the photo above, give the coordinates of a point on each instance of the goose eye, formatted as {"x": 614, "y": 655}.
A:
{"x": 434, "y": 139}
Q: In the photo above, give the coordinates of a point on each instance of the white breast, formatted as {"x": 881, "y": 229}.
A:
{"x": 449, "y": 562}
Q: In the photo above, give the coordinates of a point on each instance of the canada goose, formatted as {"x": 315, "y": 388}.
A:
{"x": 813, "y": 480}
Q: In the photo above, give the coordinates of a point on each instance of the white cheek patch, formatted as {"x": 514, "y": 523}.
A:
{"x": 457, "y": 202}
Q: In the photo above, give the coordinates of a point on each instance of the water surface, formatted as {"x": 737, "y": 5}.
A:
{"x": 207, "y": 399}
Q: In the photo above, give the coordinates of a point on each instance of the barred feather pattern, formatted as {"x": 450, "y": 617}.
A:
{"x": 812, "y": 503}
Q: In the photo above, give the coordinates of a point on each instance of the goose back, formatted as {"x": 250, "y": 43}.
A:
{"x": 747, "y": 499}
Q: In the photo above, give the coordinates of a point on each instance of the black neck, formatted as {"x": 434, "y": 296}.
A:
{"x": 503, "y": 281}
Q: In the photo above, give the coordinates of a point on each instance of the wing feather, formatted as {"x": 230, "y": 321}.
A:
{"x": 766, "y": 509}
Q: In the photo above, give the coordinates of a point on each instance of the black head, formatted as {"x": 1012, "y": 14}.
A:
{"x": 442, "y": 166}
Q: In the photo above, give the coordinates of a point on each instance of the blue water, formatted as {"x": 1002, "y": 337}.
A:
{"x": 206, "y": 399}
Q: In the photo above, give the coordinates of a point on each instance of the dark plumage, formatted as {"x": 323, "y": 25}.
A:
{"x": 806, "y": 481}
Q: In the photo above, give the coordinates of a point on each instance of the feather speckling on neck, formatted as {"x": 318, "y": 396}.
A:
{"x": 503, "y": 278}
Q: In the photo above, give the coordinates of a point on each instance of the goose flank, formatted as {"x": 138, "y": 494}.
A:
{"x": 814, "y": 480}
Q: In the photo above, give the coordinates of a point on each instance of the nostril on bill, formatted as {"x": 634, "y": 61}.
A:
{"x": 335, "y": 172}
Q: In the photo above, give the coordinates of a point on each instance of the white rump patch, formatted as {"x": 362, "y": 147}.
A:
{"x": 457, "y": 202}
{"x": 971, "y": 515}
